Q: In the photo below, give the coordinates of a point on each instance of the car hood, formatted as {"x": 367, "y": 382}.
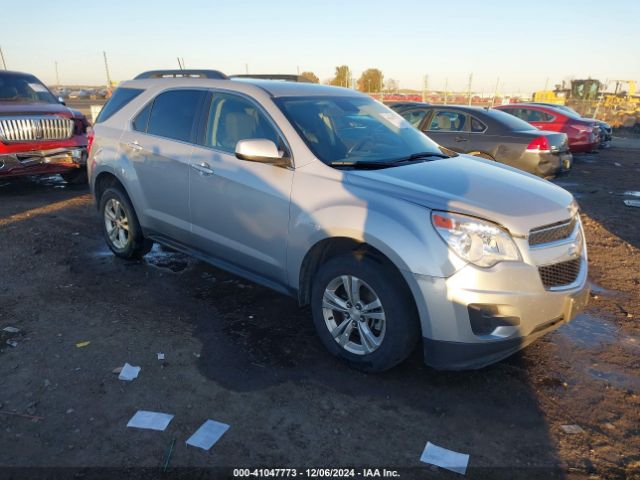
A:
{"x": 469, "y": 185}
{"x": 10, "y": 108}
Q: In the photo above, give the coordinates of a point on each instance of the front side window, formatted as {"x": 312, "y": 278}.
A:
{"x": 233, "y": 118}
{"x": 414, "y": 117}
{"x": 448, "y": 121}
{"x": 174, "y": 114}
{"x": 350, "y": 130}
{"x": 24, "y": 89}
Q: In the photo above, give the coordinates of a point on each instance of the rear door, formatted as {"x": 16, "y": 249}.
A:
{"x": 159, "y": 146}
{"x": 448, "y": 128}
{"x": 240, "y": 209}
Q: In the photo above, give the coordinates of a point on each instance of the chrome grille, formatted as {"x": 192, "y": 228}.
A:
{"x": 560, "y": 274}
{"x": 30, "y": 129}
{"x": 553, "y": 232}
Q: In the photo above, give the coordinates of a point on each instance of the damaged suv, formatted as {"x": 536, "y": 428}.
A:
{"x": 324, "y": 194}
{"x": 38, "y": 134}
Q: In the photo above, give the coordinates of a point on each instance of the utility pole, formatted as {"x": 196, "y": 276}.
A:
{"x": 106, "y": 67}
{"x": 183, "y": 67}
{"x": 495, "y": 92}
{"x": 425, "y": 85}
{"x": 4, "y": 64}
{"x": 298, "y": 68}
{"x": 246, "y": 68}
{"x": 446, "y": 85}
{"x": 57, "y": 76}
{"x": 179, "y": 64}
{"x": 469, "y": 88}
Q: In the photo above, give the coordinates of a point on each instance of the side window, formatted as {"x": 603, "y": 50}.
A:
{"x": 477, "y": 126}
{"x": 516, "y": 112}
{"x": 546, "y": 117}
{"x": 233, "y": 118}
{"x": 414, "y": 117}
{"x": 529, "y": 115}
{"x": 174, "y": 114}
{"x": 119, "y": 99}
{"x": 142, "y": 119}
{"x": 448, "y": 121}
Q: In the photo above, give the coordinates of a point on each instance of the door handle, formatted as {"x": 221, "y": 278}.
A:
{"x": 460, "y": 139}
{"x": 134, "y": 146}
{"x": 204, "y": 169}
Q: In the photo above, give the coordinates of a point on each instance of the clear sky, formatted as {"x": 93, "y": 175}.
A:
{"x": 522, "y": 42}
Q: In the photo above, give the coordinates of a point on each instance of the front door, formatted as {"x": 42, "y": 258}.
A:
{"x": 240, "y": 209}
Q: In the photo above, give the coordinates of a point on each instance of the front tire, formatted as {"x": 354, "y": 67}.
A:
{"x": 363, "y": 312}
{"x": 120, "y": 226}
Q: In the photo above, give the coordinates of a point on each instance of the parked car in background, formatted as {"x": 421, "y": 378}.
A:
{"x": 584, "y": 135}
{"x": 327, "y": 195}
{"x": 38, "y": 134}
{"x": 490, "y": 134}
{"x": 79, "y": 95}
{"x": 606, "y": 132}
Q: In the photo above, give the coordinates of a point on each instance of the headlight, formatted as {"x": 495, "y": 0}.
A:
{"x": 477, "y": 241}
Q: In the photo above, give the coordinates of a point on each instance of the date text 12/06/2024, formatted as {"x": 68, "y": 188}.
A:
{"x": 315, "y": 473}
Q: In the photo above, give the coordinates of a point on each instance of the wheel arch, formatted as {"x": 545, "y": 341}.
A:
{"x": 105, "y": 180}
{"x": 330, "y": 247}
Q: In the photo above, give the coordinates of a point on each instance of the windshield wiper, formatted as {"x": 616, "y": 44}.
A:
{"x": 420, "y": 156}
{"x": 362, "y": 164}
{"x": 388, "y": 163}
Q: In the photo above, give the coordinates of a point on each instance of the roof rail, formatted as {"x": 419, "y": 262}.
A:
{"x": 215, "y": 74}
{"x": 274, "y": 76}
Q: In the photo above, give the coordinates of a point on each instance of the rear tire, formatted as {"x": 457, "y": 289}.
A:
{"x": 375, "y": 326}
{"x": 120, "y": 225}
{"x": 77, "y": 176}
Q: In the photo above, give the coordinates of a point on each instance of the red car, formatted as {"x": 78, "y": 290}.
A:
{"x": 38, "y": 134}
{"x": 583, "y": 134}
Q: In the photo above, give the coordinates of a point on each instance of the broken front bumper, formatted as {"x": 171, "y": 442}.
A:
{"x": 40, "y": 161}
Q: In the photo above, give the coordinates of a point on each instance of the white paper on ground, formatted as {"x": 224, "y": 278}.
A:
{"x": 128, "y": 372}
{"x": 160, "y": 356}
{"x": 208, "y": 434}
{"x": 441, "y": 457}
{"x": 150, "y": 420}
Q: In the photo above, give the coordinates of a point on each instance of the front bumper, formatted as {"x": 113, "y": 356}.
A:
{"x": 42, "y": 161}
{"x": 514, "y": 296}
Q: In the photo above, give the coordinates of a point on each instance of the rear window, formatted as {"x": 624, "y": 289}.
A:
{"x": 120, "y": 98}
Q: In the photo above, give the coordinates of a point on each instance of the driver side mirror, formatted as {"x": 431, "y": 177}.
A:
{"x": 61, "y": 100}
{"x": 261, "y": 150}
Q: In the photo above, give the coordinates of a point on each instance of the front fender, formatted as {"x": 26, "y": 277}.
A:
{"x": 399, "y": 230}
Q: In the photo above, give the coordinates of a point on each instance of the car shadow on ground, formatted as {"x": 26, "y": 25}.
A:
{"x": 21, "y": 194}
{"x": 254, "y": 341}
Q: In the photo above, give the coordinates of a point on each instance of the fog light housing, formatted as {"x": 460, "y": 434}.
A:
{"x": 487, "y": 318}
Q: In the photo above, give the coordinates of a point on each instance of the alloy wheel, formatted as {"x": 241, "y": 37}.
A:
{"x": 116, "y": 223}
{"x": 354, "y": 314}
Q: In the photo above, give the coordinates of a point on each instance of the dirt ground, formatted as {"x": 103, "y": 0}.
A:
{"x": 243, "y": 355}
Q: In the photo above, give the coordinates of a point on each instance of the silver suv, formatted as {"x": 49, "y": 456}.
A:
{"x": 327, "y": 195}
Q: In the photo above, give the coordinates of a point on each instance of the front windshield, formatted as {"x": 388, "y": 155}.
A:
{"x": 24, "y": 89}
{"x": 354, "y": 129}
